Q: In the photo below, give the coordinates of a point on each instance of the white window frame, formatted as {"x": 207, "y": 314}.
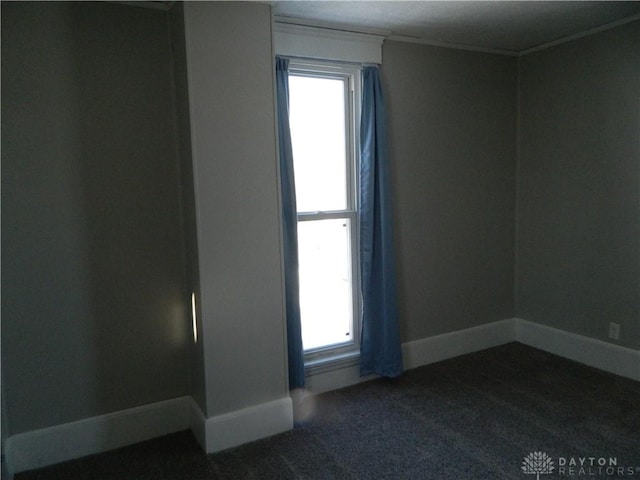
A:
{"x": 318, "y": 359}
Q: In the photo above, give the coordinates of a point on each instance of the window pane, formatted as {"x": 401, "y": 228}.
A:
{"x": 317, "y": 118}
{"x": 325, "y": 282}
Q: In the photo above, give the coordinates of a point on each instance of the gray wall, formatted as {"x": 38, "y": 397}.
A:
{"x": 578, "y": 224}
{"x": 452, "y": 130}
{"x": 93, "y": 300}
{"x": 231, "y": 96}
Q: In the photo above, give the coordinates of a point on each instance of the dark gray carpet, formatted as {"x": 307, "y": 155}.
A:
{"x": 472, "y": 417}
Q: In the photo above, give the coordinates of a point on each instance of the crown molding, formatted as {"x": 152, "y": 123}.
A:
{"x": 577, "y": 36}
{"x": 152, "y": 4}
{"x": 455, "y": 46}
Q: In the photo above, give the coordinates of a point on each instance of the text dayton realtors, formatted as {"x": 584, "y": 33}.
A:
{"x": 592, "y": 466}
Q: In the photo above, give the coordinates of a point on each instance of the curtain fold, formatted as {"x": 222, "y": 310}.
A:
{"x": 380, "y": 343}
{"x": 290, "y": 229}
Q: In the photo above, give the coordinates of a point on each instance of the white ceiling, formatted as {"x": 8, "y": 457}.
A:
{"x": 509, "y": 27}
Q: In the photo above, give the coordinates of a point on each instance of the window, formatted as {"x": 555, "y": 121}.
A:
{"x": 323, "y": 102}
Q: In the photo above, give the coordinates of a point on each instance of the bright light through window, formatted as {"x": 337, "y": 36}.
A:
{"x": 325, "y": 282}
{"x": 321, "y": 119}
{"x": 317, "y": 118}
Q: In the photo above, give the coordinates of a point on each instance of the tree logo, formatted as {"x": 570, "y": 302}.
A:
{"x": 537, "y": 463}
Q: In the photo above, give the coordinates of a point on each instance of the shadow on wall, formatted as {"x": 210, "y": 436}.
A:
{"x": 95, "y": 308}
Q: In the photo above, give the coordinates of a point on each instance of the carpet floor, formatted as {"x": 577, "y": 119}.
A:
{"x": 478, "y": 416}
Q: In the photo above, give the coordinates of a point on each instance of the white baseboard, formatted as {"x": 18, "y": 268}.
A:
{"x": 241, "y": 426}
{"x": 197, "y": 423}
{"x": 47, "y": 446}
{"x": 589, "y": 351}
{"x": 39, "y": 448}
{"x": 422, "y": 352}
{"x": 448, "y": 345}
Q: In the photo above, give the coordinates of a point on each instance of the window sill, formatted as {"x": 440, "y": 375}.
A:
{"x": 329, "y": 363}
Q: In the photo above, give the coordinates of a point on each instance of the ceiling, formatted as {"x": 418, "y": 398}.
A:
{"x": 508, "y": 27}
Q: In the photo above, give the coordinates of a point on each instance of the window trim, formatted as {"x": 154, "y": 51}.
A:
{"x": 322, "y": 358}
{"x": 293, "y": 39}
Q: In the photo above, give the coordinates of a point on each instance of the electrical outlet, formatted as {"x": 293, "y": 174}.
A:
{"x": 614, "y": 331}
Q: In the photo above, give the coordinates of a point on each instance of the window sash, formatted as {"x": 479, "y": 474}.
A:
{"x": 351, "y": 75}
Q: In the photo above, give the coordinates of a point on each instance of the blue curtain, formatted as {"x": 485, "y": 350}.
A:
{"x": 290, "y": 229}
{"x": 380, "y": 344}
